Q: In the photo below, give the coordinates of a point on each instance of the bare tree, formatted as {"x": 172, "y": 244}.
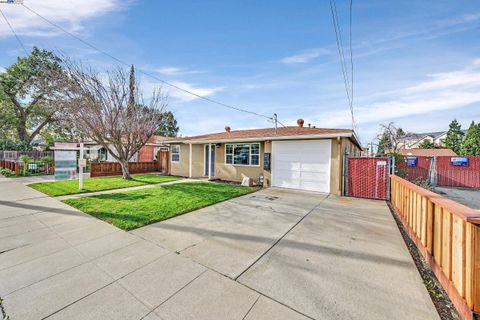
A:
{"x": 390, "y": 138}
{"x": 111, "y": 111}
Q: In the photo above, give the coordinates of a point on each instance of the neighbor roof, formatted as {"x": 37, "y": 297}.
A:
{"x": 268, "y": 134}
{"x": 427, "y": 152}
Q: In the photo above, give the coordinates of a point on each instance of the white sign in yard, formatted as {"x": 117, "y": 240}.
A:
{"x": 65, "y": 164}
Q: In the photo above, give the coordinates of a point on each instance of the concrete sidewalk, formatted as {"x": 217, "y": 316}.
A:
{"x": 274, "y": 254}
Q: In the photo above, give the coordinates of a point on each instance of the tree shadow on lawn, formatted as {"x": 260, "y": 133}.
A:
{"x": 117, "y": 196}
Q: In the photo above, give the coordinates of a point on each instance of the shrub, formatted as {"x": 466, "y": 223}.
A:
{"x": 7, "y": 172}
{"x": 25, "y": 159}
{"x": 424, "y": 183}
{"x": 46, "y": 159}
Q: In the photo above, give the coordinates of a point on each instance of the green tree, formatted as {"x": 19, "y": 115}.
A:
{"x": 168, "y": 125}
{"x": 29, "y": 90}
{"x": 454, "y": 136}
{"x": 390, "y": 138}
{"x": 471, "y": 144}
{"x": 383, "y": 144}
{"x": 426, "y": 144}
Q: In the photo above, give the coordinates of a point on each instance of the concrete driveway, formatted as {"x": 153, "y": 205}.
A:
{"x": 274, "y": 254}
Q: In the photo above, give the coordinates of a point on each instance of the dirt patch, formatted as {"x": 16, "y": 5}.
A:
{"x": 440, "y": 299}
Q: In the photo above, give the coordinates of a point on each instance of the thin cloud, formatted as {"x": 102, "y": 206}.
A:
{"x": 71, "y": 14}
{"x": 175, "y": 71}
{"x": 306, "y": 56}
{"x": 442, "y": 91}
{"x": 185, "y": 97}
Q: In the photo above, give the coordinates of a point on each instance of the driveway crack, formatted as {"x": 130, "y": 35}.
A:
{"x": 280, "y": 239}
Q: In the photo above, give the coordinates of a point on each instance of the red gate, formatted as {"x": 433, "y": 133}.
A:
{"x": 367, "y": 178}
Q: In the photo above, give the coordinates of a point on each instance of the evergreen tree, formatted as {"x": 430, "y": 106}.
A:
{"x": 426, "y": 144}
{"x": 454, "y": 136}
{"x": 168, "y": 126}
{"x": 384, "y": 144}
{"x": 471, "y": 144}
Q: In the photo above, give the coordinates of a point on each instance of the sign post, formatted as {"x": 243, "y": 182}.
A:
{"x": 80, "y": 168}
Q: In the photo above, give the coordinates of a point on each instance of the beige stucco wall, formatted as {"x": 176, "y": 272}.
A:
{"x": 237, "y": 173}
{"x": 222, "y": 170}
{"x": 181, "y": 168}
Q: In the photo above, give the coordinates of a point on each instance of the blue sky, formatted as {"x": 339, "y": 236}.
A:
{"x": 416, "y": 63}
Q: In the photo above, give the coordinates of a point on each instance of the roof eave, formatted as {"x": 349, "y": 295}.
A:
{"x": 269, "y": 138}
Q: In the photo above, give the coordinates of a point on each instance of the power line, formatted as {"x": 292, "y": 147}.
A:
{"x": 14, "y": 33}
{"x": 338, "y": 36}
{"x": 144, "y": 72}
{"x": 351, "y": 52}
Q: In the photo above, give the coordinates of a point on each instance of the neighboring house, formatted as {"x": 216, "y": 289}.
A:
{"x": 147, "y": 153}
{"x": 427, "y": 152}
{"x": 414, "y": 140}
{"x": 290, "y": 157}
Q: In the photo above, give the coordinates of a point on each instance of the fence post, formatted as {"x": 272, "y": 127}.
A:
{"x": 432, "y": 172}
{"x": 390, "y": 171}
{"x": 345, "y": 174}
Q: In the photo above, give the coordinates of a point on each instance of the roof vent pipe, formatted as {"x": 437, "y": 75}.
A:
{"x": 300, "y": 123}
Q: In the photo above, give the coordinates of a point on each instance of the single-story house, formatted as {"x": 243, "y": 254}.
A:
{"x": 417, "y": 152}
{"x": 296, "y": 157}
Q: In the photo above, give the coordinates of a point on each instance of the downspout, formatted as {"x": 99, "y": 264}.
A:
{"x": 209, "y": 161}
{"x": 340, "y": 167}
{"x": 190, "y": 160}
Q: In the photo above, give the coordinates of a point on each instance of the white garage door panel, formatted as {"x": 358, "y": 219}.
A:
{"x": 301, "y": 164}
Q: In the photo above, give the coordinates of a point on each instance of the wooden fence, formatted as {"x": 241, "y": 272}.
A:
{"x": 101, "y": 169}
{"x": 10, "y": 165}
{"x": 15, "y": 155}
{"x": 448, "y": 235}
{"x": 33, "y": 168}
{"x": 445, "y": 174}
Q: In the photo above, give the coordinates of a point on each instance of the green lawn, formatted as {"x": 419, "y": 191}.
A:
{"x": 132, "y": 209}
{"x": 65, "y": 187}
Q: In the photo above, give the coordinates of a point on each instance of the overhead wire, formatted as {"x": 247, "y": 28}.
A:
{"x": 14, "y": 33}
{"x": 144, "y": 72}
{"x": 347, "y": 78}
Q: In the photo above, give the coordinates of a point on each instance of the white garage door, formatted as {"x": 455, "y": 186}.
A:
{"x": 301, "y": 164}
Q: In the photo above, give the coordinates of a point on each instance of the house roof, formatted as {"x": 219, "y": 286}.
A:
{"x": 292, "y": 132}
{"x": 434, "y": 135}
{"x": 427, "y": 152}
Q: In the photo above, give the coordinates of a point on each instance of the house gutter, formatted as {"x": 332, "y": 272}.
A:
{"x": 273, "y": 138}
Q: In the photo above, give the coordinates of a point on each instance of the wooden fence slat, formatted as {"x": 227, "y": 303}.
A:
{"x": 429, "y": 226}
{"x": 447, "y": 244}
{"x": 438, "y": 235}
{"x": 458, "y": 255}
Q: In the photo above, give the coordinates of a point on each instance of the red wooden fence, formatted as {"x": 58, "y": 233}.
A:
{"x": 447, "y": 174}
{"x": 458, "y": 176}
{"x": 10, "y": 165}
{"x": 101, "y": 169}
{"x": 420, "y": 171}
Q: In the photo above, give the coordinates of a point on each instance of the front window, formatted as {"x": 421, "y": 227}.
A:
{"x": 247, "y": 154}
{"x": 175, "y": 153}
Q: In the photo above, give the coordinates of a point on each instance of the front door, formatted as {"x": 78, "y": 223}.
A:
{"x": 212, "y": 160}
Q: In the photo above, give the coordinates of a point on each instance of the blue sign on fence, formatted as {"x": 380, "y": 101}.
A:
{"x": 411, "y": 161}
{"x": 459, "y": 161}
